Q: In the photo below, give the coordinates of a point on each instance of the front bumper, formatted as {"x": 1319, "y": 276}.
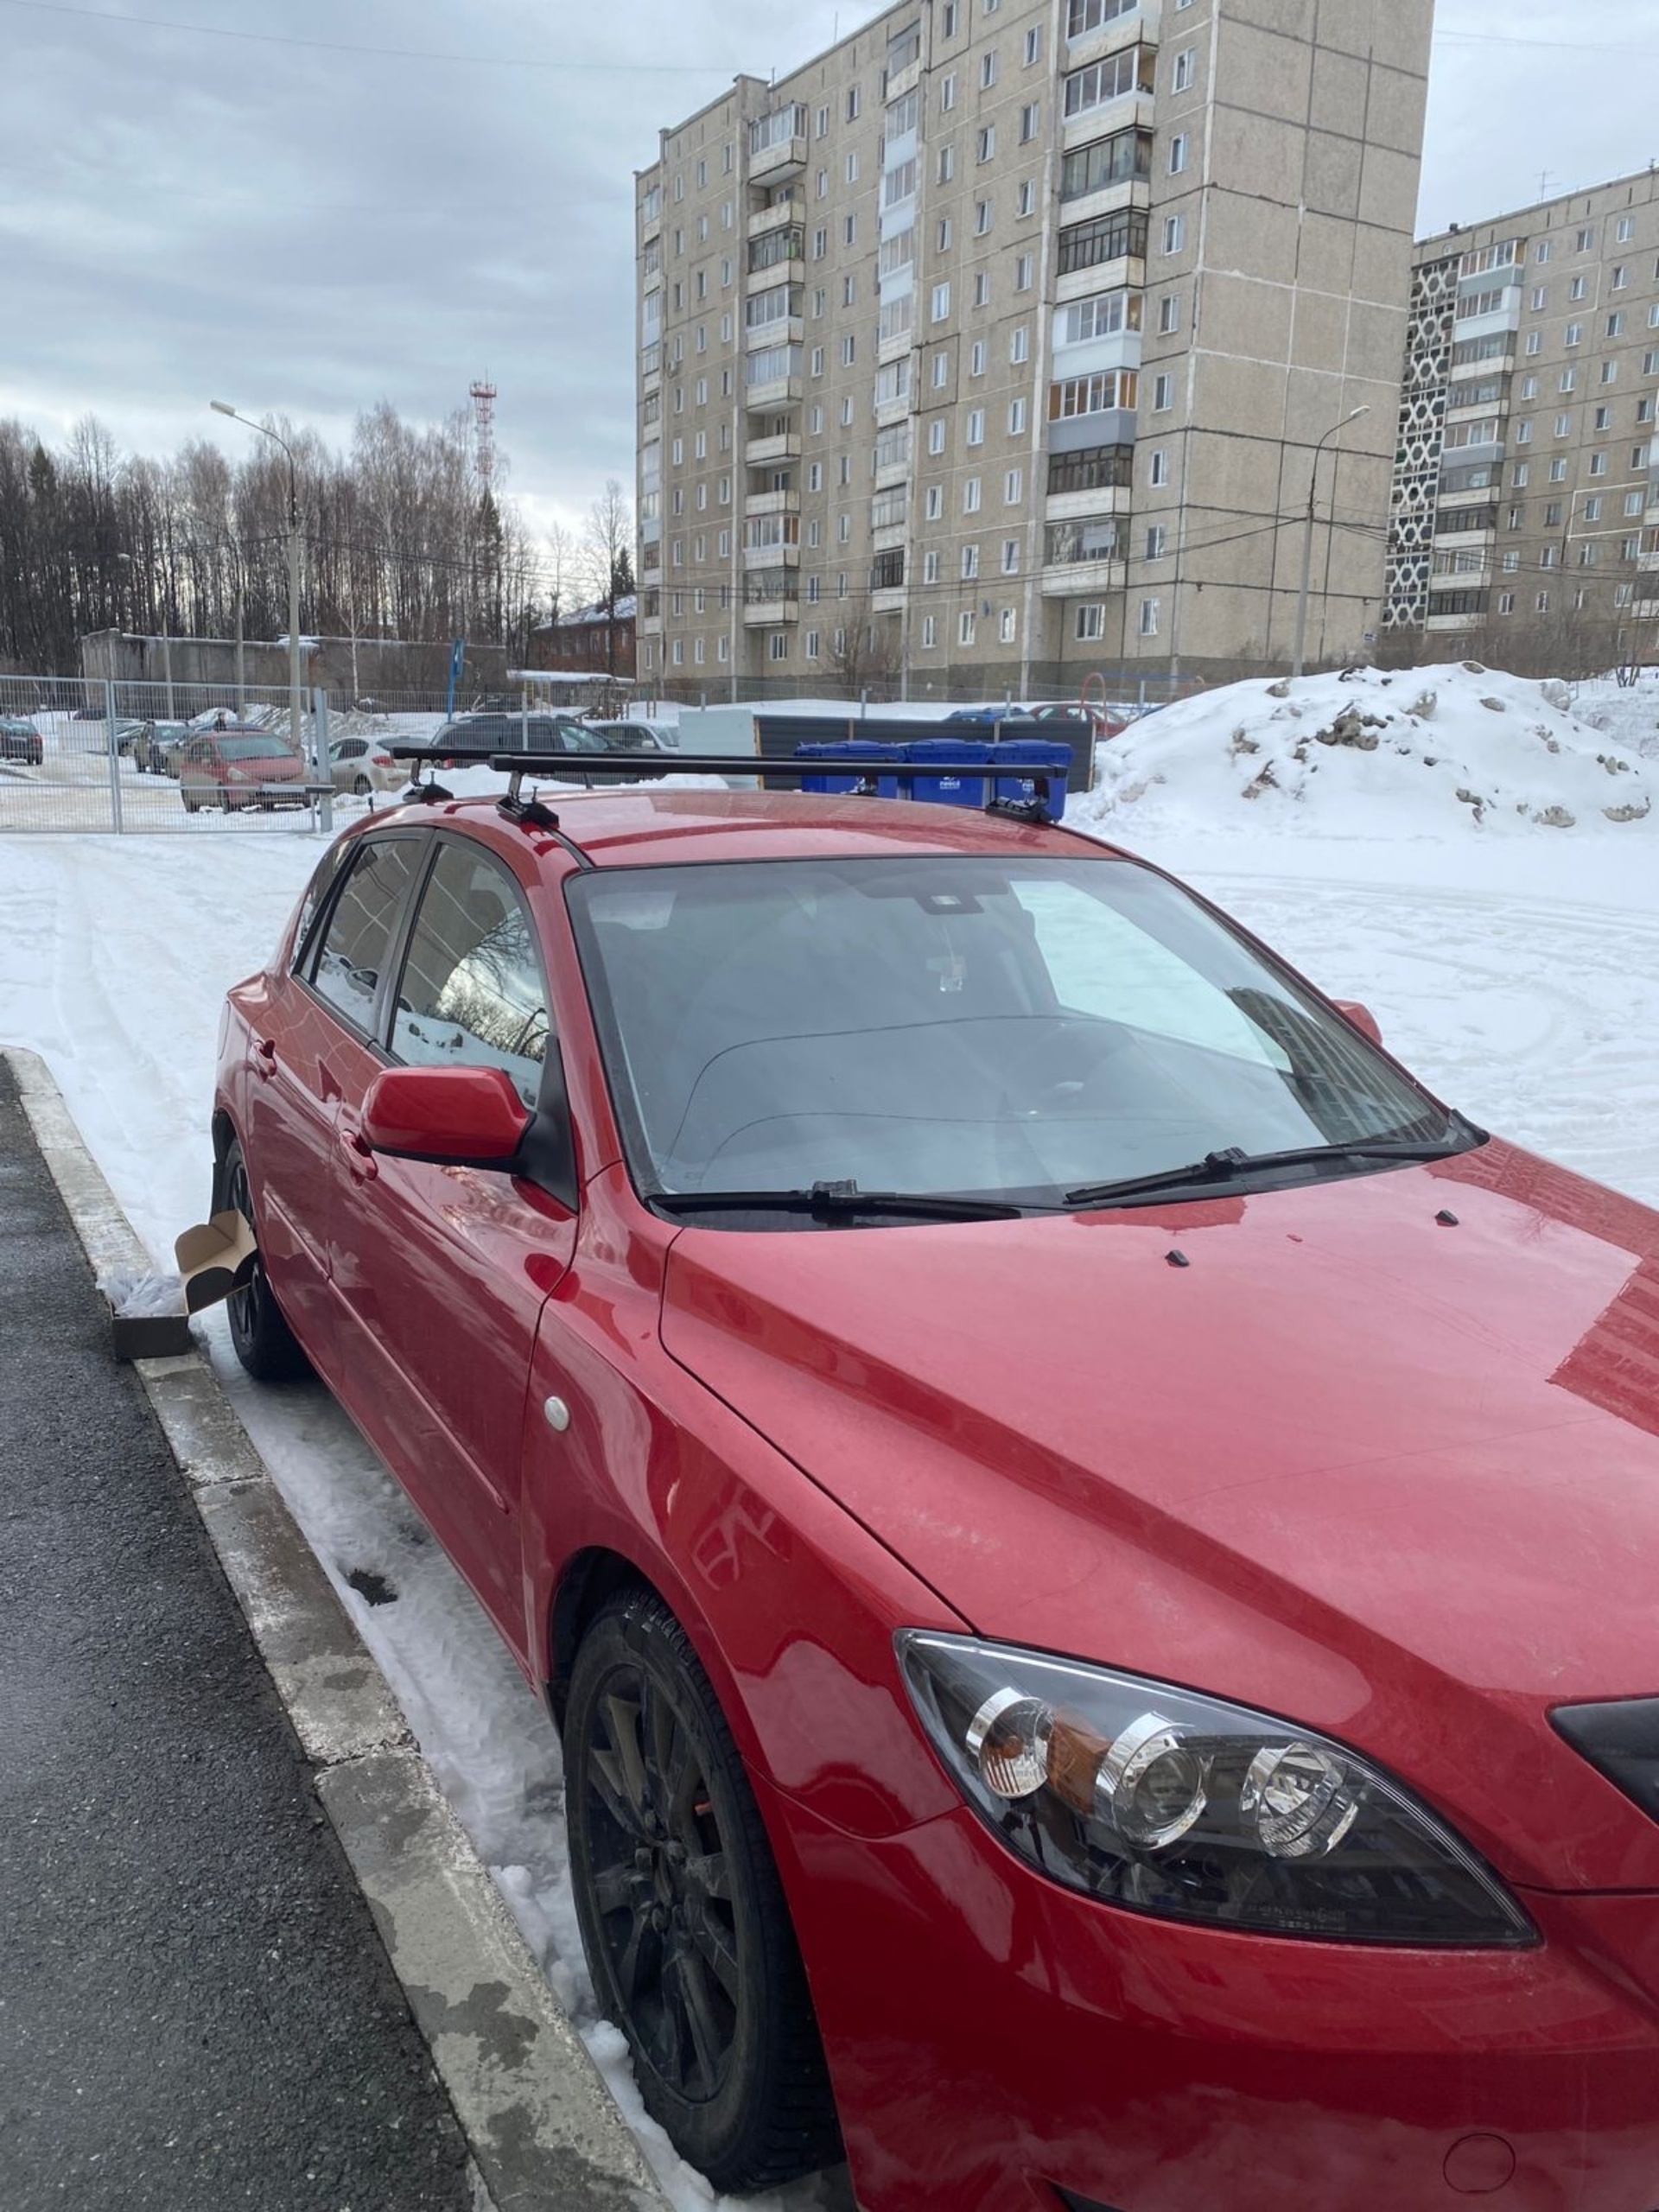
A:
{"x": 994, "y": 2039}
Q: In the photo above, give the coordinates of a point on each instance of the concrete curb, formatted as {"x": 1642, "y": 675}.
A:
{"x": 544, "y": 2132}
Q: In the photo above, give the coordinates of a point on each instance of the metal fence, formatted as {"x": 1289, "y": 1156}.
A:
{"x": 82, "y": 755}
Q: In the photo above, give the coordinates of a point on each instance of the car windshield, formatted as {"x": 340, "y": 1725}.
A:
{"x": 1002, "y": 1029}
{"x": 252, "y": 748}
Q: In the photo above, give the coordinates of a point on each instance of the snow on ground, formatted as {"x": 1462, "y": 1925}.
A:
{"x": 1372, "y": 753}
{"x": 1519, "y": 975}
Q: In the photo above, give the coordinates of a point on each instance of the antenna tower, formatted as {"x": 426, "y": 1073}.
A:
{"x": 484, "y": 431}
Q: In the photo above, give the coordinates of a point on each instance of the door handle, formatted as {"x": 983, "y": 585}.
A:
{"x": 262, "y": 1055}
{"x": 361, "y": 1162}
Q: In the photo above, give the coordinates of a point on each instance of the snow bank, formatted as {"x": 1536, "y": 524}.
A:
{"x": 1413, "y": 752}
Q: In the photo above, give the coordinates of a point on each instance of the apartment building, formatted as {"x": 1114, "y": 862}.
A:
{"x": 1525, "y": 511}
{"x": 993, "y": 346}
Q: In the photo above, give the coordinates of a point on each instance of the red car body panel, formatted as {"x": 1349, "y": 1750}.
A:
{"x": 1393, "y": 1475}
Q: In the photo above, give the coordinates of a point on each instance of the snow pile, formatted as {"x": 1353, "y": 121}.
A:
{"x": 1629, "y": 714}
{"x": 1412, "y": 753}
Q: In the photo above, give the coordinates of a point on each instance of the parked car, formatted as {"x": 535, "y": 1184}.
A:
{"x": 362, "y": 765}
{"x": 153, "y": 747}
{"x": 482, "y": 734}
{"x": 236, "y": 768}
{"x": 1090, "y": 1543}
{"x": 635, "y": 736}
{"x": 21, "y": 741}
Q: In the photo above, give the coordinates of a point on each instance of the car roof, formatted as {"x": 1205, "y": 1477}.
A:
{"x": 652, "y": 826}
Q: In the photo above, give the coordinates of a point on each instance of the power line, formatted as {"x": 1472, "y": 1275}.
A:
{"x": 381, "y": 53}
{"x": 1560, "y": 45}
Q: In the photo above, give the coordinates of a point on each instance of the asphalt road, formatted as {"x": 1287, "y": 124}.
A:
{"x": 196, "y": 2012}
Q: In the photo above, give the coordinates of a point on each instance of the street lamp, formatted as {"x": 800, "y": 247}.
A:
{"x": 1307, "y": 536}
{"x": 295, "y": 711}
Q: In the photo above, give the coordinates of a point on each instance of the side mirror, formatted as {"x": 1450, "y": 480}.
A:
{"x": 454, "y": 1117}
{"x": 1362, "y": 1017}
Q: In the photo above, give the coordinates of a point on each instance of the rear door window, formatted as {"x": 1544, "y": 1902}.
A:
{"x": 472, "y": 993}
{"x": 362, "y": 928}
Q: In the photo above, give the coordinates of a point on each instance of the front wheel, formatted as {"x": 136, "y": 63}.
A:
{"x": 683, "y": 1916}
{"x": 260, "y": 1336}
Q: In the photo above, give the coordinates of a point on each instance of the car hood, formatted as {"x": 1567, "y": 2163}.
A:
{"x": 1381, "y": 1456}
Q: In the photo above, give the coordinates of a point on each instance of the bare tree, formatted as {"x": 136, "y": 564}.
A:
{"x": 607, "y": 548}
{"x": 866, "y": 648}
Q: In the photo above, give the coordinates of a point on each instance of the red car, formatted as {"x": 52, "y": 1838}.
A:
{"x": 231, "y": 768}
{"x": 1091, "y": 1545}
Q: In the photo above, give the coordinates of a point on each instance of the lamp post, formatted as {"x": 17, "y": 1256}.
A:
{"x": 295, "y": 697}
{"x": 1307, "y": 536}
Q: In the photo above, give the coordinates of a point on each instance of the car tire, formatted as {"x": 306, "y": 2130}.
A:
{"x": 681, "y": 1913}
{"x": 362, "y": 788}
{"x": 260, "y": 1335}
{"x": 190, "y": 803}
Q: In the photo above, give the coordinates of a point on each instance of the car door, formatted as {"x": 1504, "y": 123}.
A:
{"x": 439, "y": 1273}
{"x": 313, "y": 1044}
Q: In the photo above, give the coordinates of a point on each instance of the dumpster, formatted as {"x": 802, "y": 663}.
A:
{"x": 849, "y": 749}
{"x": 950, "y": 787}
{"x": 1028, "y": 753}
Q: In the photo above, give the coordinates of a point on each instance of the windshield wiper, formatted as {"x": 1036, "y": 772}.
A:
{"x": 1225, "y": 1167}
{"x": 831, "y": 1201}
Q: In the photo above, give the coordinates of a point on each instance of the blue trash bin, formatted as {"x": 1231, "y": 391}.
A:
{"x": 952, "y": 785}
{"x": 847, "y": 749}
{"x": 1032, "y": 753}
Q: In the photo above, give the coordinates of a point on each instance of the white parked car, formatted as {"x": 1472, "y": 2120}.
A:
{"x": 362, "y": 765}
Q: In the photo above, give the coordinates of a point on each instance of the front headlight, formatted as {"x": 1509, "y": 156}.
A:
{"x": 1191, "y": 1808}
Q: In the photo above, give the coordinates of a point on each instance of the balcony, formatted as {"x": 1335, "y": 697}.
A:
{"x": 760, "y": 452}
{"x": 778, "y": 145}
{"x": 787, "y": 330}
{"x": 772, "y": 503}
{"x": 770, "y": 613}
{"x": 774, "y": 393}
{"x": 777, "y": 216}
{"x": 890, "y": 599}
{"x": 1076, "y": 579}
{"x": 772, "y": 556}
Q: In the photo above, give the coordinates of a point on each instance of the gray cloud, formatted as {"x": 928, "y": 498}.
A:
{"x": 309, "y": 231}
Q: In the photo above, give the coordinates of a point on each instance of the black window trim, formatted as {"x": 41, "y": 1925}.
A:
{"x": 305, "y": 957}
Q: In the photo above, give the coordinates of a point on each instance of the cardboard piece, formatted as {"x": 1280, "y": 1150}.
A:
{"x": 215, "y": 1258}
{"x": 149, "y": 1335}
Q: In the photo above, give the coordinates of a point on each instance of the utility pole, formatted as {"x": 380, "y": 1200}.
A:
{"x": 1307, "y": 537}
{"x": 295, "y": 696}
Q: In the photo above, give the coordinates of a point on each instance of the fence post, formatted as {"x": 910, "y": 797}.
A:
{"x": 325, "y": 774}
{"x": 115, "y": 757}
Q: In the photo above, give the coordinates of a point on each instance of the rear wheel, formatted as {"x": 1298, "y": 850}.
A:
{"x": 263, "y": 1340}
{"x": 683, "y": 1916}
{"x": 362, "y": 787}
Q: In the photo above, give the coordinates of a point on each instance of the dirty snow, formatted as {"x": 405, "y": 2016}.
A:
{"x": 1518, "y": 974}
{"x": 1368, "y": 753}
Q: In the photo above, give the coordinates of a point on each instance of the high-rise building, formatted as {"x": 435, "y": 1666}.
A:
{"x": 1526, "y": 490}
{"x": 994, "y": 344}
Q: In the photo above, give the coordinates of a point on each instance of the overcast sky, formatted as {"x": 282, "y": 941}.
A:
{"x": 312, "y": 206}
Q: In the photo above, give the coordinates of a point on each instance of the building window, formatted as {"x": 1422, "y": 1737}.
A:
{"x": 976, "y": 358}
{"x": 1090, "y": 625}
{"x": 1158, "y": 473}
{"x": 855, "y": 103}
{"x": 848, "y": 344}
{"x": 965, "y": 626}
{"x": 1598, "y": 464}
{"x": 941, "y": 370}
{"x": 1575, "y": 333}
{"x": 1163, "y": 393}
{"x": 778, "y": 645}
{"x": 930, "y": 566}
{"x": 935, "y": 435}
{"x": 1621, "y": 278}
{"x": 988, "y": 69}
{"x": 1174, "y": 233}
{"x": 948, "y": 26}
{"x": 810, "y": 644}
{"x": 1027, "y": 204}
{"x": 929, "y": 632}
{"x": 947, "y": 93}
{"x": 941, "y": 308}
{"x": 1177, "y": 151}
{"x": 1186, "y": 68}
{"x": 1169, "y": 314}
{"x": 982, "y": 218}
{"x": 1148, "y": 622}
{"x": 969, "y": 563}
{"x": 1586, "y": 242}
{"x": 985, "y": 147}
{"x": 1592, "y": 507}
{"x": 1541, "y": 603}
{"x": 1033, "y": 44}
{"x": 1558, "y": 470}
{"x": 1010, "y": 556}
{"x": 1576, "y": 289}
{"x": 852, "y": 168}
{"x": 976, "y": 426}
{"x": 1018, "y": 418}
{"x": 1020, "y": 345}
{"x": 970, "y": 494}
{"x": 1156, "y": 539}
{"x": 1506, "y": 602}
{"x": 1031, "y": 121}
{"x": 1013, "y": 487}
{"x": 1541, "y": 252}
{"x": 1535, "y": 342}
{"x": 983, "y": 288}
{"x": 934, "y": 502}
{"x": 1626, "y": 229}
{"x": 1540, "y": 298}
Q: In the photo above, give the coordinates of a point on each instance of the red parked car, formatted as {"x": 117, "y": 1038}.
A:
{"x": 235, "y": 767}
{"x": 1091, "y": 1545}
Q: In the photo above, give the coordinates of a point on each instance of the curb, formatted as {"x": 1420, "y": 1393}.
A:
{"x": 544, "y": 2132}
